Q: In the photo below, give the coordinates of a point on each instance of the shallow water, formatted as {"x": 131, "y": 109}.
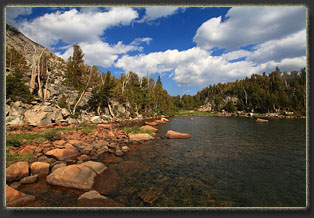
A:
{"x": 226, "y": 162}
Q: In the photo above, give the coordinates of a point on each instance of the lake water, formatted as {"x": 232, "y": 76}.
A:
{"x": 226, "y": 162}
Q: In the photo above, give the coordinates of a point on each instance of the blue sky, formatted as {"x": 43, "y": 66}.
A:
{"x": 190, "y": 47}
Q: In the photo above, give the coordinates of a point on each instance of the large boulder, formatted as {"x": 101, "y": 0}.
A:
{"x": 76, "y": 176}
{"x": 140, "y": 137}
{"x": 17, "y": 171}
{"x": 15, "y": 198}
{"x": 62, "y": 154}
{"x": 94, "y": 199}
{"x": 43, "y": 115}
{"x": 73, "y": 176}
{"x": 40, "y": 168}
{"x": 177, "y": 135}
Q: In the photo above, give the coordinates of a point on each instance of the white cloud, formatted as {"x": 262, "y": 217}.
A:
{"x": 74, "y": 26}
{"x": 291, "y": 46}
{"x": 196, "y": 67}
{"x": 13, "y": 12}
{"x": 84, "y": 28}
{"x": 100, "y": 53}
{"x": 138, "y": 41}
{"x": 250, "y": 25}
{"x": 154, "y": 13}
{"x": 236, "y": 54}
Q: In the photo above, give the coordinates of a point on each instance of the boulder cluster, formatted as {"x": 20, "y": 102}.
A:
{"x": 74, "y": 160}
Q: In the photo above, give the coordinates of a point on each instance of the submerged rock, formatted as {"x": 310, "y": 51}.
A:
{"x": 29, "y": 179}
{"x": 15, "y": 198}
{"x": 94, "y": 199}
{"x": 177, "y": 135}
{"x": 151, "y": 195}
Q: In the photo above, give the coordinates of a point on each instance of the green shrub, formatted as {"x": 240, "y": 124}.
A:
{"x": 14, "y": 141}
{"x": 63, "y": 102}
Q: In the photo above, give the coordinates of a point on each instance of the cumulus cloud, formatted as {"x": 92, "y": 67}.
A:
{"x": 74, "y": 27}
{"x": 100, "y": 53}
{"x": 84, "y": 28}
{"x": 292, "y": 46}
{"x": 154, "y": 13}
{"x": 14, "y": 12}
{"x": 250, "y": 25}
{"x": 196, "y": 67}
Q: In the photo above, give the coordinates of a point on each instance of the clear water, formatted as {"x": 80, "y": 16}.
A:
{"x": 227, "y": 162}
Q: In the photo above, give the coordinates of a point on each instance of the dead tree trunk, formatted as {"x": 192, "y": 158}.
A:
{"x": 245, "y": 95}
{"x": 110, "y": 111}
{"x": 98, "y": 110}
{"x": 45, "y": 92}
{"x": 83, "y": 92}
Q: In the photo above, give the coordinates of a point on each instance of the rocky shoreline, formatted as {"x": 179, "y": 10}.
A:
{"x": 76, "y": 161}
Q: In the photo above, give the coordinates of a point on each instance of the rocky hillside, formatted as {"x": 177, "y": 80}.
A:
{"x": 40, "y": 112}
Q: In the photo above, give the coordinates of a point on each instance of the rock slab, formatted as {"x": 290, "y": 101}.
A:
{"x": 177, "y": 135}
{"x": 261, "y": 120}
{"x": 76, "y": 176}
{"x": 73, "y": 176}
{"x": 140, "y": 137}
{"x": 62, "y": 154}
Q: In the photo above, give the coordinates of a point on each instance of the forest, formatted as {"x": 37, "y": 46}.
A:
{"x": 275, "y": 92}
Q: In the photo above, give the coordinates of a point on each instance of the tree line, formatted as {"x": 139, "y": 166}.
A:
{"x": 273, "y": 93}
{"x": 278, "y": 91}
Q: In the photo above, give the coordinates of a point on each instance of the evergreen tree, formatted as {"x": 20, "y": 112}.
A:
{"x": 16, "y": 89}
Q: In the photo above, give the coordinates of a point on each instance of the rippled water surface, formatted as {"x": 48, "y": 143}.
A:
{"x": 226, "y": 162}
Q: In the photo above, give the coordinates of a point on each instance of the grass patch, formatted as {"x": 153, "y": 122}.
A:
{"x": 18, "y": 139}
{"x": 136, "y": 130}
{"x": 195, "y": 113}
{"x": 13, "y": 158}
{"x": 86, "y": 128}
